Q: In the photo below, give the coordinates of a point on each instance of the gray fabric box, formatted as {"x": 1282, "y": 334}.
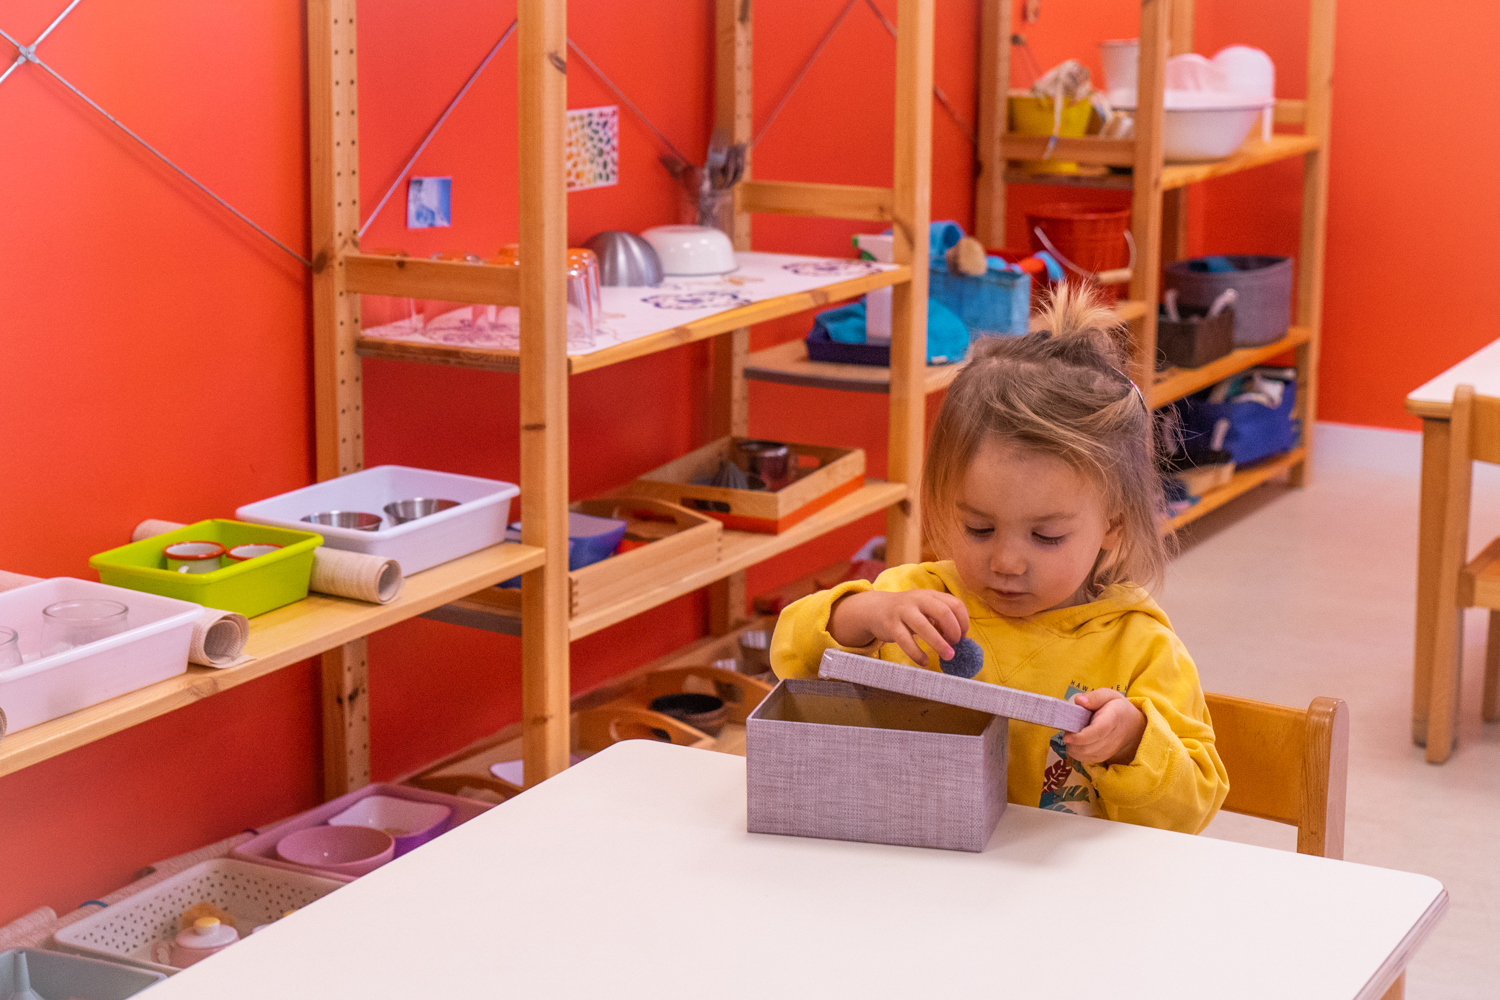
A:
{"x": 852, "y": 761}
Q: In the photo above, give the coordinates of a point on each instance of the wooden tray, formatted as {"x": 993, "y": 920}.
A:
{"x": 837, "y": 472}
{"x": 680, "y": 542}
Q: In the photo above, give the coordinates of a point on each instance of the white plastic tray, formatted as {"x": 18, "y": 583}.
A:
{"x": 252, "y": 894}
{"x": 477, "y": 522}
{"x": 153, "y": 648}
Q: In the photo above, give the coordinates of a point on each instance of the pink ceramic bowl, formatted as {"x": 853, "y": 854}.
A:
{"x": 345, "y": 850}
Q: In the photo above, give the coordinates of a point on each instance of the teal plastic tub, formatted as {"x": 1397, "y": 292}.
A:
{"x": 251, "y": 588}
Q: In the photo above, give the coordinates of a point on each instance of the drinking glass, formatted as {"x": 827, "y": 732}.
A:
{"x": 79, "y": 622}
{"x": 10, "y": 648}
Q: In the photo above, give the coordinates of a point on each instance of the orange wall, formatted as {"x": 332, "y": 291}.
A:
{"x": 154, "y": 353}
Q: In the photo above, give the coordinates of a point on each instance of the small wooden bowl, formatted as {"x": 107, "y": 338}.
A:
{"x": 701, "y": 711}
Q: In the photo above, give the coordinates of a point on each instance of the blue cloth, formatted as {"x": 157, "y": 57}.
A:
{"x": 947, "y": 337}
{"x": 941, "y": 236}
{"x": 844, "y": 325}
{"x": 1213, "y": 265}
{"x": 1054, "y": 269}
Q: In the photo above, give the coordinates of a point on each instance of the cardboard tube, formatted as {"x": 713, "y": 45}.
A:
{"x": 356, "y": 575}
{"x": 152, "y": 526}
{"x": 219, "y": 638}
{"x": 10, "y": 581}
{"x": 342, "y": 574}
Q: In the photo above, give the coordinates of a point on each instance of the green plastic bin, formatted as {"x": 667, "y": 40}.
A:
{"x": 251, "y": 588}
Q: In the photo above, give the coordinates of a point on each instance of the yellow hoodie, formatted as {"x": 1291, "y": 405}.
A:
{"x": 1122, "y": 640}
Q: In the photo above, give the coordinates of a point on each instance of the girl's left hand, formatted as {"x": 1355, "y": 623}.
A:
{"x": 1113, "y": 734}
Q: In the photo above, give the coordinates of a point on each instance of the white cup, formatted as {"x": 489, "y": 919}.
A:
{"x": 240, "y": 553}
{"x": 193, "y": 557}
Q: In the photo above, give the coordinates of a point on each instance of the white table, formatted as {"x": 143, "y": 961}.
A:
{"x": 599, "y": 884}
{"x": 1433, "y": 402}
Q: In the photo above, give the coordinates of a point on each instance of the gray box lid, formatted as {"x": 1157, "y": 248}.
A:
{"x": 932, "y": 685}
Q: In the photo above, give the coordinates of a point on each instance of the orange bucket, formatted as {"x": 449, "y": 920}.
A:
{"x": 1091, "y": 238}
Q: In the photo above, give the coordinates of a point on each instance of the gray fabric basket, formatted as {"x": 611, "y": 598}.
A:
{"x": 1263, "y": 311}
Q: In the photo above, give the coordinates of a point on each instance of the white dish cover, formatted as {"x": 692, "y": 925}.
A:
{"x": 153, "y": 647}
{"x": 477, "y": 522}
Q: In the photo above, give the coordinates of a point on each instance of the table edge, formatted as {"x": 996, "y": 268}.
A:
{"x": 1395, "y": 963}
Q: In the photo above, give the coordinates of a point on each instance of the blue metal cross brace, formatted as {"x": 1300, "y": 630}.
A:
{"x": 27, "y": 54}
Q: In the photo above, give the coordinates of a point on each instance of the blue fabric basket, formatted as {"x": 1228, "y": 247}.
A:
{"x": 997, "y": 303}
{"x": 1256, "y": 432}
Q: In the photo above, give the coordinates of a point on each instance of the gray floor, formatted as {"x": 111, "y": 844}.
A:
{"x": 1291, "y": 594}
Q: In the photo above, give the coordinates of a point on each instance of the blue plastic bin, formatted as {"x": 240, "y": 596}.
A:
{"x": 997, "y": 303}
{"x": 1256, "y": 431}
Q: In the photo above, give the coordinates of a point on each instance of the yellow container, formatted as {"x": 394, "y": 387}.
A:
{"x": 1035, "y": 116}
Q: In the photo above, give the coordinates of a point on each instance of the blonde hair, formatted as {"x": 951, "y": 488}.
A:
{"x": 1061, "y": 391}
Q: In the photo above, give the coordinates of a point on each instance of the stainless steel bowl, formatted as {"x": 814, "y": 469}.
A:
{"x": 409, "y": 510}
{"x": 625, "y": 259}
{"x": 356, "y": 519}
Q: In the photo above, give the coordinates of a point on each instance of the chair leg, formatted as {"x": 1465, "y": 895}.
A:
{"x": 1490, "y": 706}
{"x": 1447, "y": 681}
{"x": 1397, "y": 990}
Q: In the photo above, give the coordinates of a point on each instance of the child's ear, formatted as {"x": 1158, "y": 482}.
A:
{"x": 1113, "y": 533}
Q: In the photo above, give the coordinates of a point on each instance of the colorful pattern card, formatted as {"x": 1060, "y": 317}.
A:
{"x": 592, "y": 150}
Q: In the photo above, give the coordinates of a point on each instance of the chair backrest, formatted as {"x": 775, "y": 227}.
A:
{"x": 1287, "y": 765}
{"x": 1475, "y": 426}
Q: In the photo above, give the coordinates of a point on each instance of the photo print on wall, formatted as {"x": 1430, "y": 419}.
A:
{"x": 429, "y": 202}
{"x": 591, "y": 151}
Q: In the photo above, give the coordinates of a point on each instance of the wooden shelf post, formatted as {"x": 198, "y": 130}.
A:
{"x": 730, "y": 406}
{"x": 542, "y": 68}
{"x": 1146, "y": 204}
{"x": 912, "y": 194}
{"x": 1318, "y": 110}
{"x": 333, "y": 151}
{"x": 994, "y": 114}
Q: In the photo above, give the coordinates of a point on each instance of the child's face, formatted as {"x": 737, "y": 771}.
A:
{"x": 1030, "y": 529}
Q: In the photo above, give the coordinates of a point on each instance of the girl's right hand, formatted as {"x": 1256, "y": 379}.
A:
{"x": 902, "y": 617}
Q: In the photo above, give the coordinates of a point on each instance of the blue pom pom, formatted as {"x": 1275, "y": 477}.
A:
{"x": 968, "y": 659}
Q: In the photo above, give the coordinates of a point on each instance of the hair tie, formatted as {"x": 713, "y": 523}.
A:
{"x": 1138, "y": 394}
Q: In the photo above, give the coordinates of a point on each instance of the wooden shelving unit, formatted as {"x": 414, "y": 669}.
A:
{"x": 739, "y": 550}
{"x": 687, "y": 333}
{"x": 789, "y": 364}
{"x": 278, "y": 639}
{"x": 1159, "y": 199}
{"x": 343, "y": 273}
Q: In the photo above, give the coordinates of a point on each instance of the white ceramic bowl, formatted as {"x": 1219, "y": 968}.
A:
{"x": 691, "y": 251}
{"x": 1204, "y": 125}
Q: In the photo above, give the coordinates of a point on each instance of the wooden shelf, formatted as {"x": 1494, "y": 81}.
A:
{"x": 277, "y": 639}
{"x": 1243, "y": 481}
{"x": 1175, "y": 383}
{"x": 701, "y": 329}
{"x": 788, "y": 364}
{"x": 739, "y": 550}
{"x": 1254, "y": 153}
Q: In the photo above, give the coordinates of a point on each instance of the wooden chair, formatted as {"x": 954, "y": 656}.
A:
{"x": 1292, "y": 767}
{"x": 1287, "y": 765}
{"x": 1473, "y": 436}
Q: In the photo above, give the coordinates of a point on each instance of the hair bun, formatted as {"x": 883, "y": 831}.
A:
{"x": 1076, "y": 316}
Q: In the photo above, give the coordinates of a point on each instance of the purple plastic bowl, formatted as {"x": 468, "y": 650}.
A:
{"x": 347, "y": 850}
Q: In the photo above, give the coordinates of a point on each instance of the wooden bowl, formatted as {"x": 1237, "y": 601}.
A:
{"x": 701, "y": 711}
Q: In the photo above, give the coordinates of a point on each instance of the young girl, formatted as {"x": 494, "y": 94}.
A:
{"x": 1041, "y": 487}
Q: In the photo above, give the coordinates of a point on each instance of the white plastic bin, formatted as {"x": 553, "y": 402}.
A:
{"x": 153, "y": 647}
{"x": 251, "y": 894}
{"x": 477, "y": 522}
